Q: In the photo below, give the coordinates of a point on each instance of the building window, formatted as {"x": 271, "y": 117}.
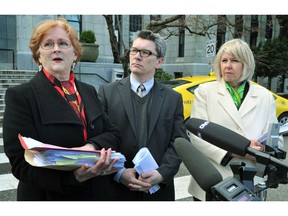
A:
{"x": 221, "y": 30}
{"x": 254, "y": 30}
{"x": 181, "y": 42}
{"x": 74, "y": 20}
{"x": 118, "y": 29}
{"x": 135, "y": 24}
{"x": 238, "y": 31}
{"x": 181, "y": 37}
{"x": 269, "y": 27}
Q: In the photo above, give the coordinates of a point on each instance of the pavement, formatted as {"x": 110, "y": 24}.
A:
{"x": 8, "y": 183}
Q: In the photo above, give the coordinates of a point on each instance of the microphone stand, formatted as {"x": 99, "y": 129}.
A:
{"x": 268, "y": 164}
{"x": 241, "y": 186}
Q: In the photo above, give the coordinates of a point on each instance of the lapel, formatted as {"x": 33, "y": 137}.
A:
{"x": 227, "y": 103}
{"x": 157, "y": 103}
{"x": 250, "y": 100}
{"x": 125, "y": 93}
{"x": 89, "y": 98}
{"x": 52, "y": 107}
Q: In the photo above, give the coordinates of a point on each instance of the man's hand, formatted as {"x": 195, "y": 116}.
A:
{"x": 153, "y": 177}
{"x": 129, "y": 179}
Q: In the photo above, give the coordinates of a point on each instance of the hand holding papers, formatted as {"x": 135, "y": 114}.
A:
{"x": 55, "y": 157}
{"x": 282, "y": 130}
{"x": 144, "y": 162}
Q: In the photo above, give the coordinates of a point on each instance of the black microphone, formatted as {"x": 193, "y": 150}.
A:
{"x": 204, "y": 173}
{"x": 218, "y": 135}
{"x": 209, "y": 178}
{"x": 231, "y": 141}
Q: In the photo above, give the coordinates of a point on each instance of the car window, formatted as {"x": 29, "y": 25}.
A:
{"x": 174, "y": 83}
{"x": 193, "y": 88}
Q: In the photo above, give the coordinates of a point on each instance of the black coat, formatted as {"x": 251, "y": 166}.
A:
{"x": 35, "y": 109}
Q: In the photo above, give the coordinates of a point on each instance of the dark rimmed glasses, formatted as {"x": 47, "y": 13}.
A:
{"x": 143, "y": 53}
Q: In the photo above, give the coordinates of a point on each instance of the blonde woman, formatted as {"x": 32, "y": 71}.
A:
{"x": 234, "y": 102}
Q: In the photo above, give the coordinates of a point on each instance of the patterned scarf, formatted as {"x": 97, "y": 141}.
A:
{"x": 236, "y": 95}
{"x": 69, "y": 91}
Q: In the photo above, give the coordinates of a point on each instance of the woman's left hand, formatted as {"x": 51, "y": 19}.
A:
{"x": 102, "y": 167}
{"x": 257, "y": 145}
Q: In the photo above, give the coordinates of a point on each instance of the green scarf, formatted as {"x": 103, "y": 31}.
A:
{"x": 236, "y": 95}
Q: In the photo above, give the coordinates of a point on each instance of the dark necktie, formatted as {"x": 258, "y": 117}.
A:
{"x": 140, "y": 90}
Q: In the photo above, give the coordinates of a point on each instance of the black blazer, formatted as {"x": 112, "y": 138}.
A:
{"x": 35, "y": 109}
{"x": 165, "y": 125}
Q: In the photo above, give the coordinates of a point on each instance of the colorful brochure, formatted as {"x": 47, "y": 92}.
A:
{"x": 55, "y": 157}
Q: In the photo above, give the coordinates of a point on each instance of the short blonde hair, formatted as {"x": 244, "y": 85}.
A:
{"x": 45, "y": 26}
{"x": 242, "y": 52}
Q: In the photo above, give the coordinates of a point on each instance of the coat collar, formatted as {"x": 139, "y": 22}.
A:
{"x": 52, "y": 107}
{"x": 227, "y": 103}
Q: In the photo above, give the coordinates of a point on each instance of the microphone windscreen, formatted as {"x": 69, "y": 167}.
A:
{"x": 202, "y": 170}
{"x": 218, "y": 135}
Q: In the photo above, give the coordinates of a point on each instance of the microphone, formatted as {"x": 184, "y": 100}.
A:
{"x": 209, "y": 178}
{"x": 202, "y": 170}
{"x": 231, "y": 141}
{"x": 218, "y": 135}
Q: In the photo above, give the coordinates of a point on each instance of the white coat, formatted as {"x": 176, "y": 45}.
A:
{"x": 214, "y": 103}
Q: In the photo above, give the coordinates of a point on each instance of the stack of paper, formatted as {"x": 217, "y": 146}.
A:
{"x": 144, "y": 162}
{"x": 64, "y": 157}
{"x": 51, "y": 156}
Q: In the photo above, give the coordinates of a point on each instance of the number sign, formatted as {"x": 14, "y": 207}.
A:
{"x": 210, "y": 48}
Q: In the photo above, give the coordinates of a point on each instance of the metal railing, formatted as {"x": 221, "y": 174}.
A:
{"x": 78, "y": 74}
{"x": 4, "y": 58}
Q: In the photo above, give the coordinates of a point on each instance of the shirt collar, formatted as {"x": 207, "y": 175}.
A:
{"x": 135, "y": 83}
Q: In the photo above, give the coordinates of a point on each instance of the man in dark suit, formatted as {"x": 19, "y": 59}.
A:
{"x": 151, "y": 117}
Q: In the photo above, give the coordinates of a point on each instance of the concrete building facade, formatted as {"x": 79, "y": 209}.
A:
{"x": 186, "y": 51}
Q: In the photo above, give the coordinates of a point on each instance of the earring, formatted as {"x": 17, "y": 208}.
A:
{"x": 73, "y": 66}
{"x": 40, "y": 67}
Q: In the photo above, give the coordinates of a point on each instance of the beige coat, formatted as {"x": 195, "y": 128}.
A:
{"x": 214, "y": 103}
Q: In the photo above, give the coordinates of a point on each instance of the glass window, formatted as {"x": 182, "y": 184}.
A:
{"x": 135, "y": 23}
{"x": 74, "y": 20}
{"x": 181, "y": 42}
{"x": 269, "y": 27}
{"x": 254, "y": 30}
{"x": 181, "y": 38}
{"x": 221, "y": 30}
{"x": 238, "y": 26}
{"x": 118, "y": 29}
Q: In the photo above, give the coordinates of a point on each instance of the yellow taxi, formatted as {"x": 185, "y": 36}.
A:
{"x": 187, "y": 85}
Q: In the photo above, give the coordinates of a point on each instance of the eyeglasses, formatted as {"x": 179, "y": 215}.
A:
{"x": 143, "y": 53}
{"x": 63, "y": 44}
